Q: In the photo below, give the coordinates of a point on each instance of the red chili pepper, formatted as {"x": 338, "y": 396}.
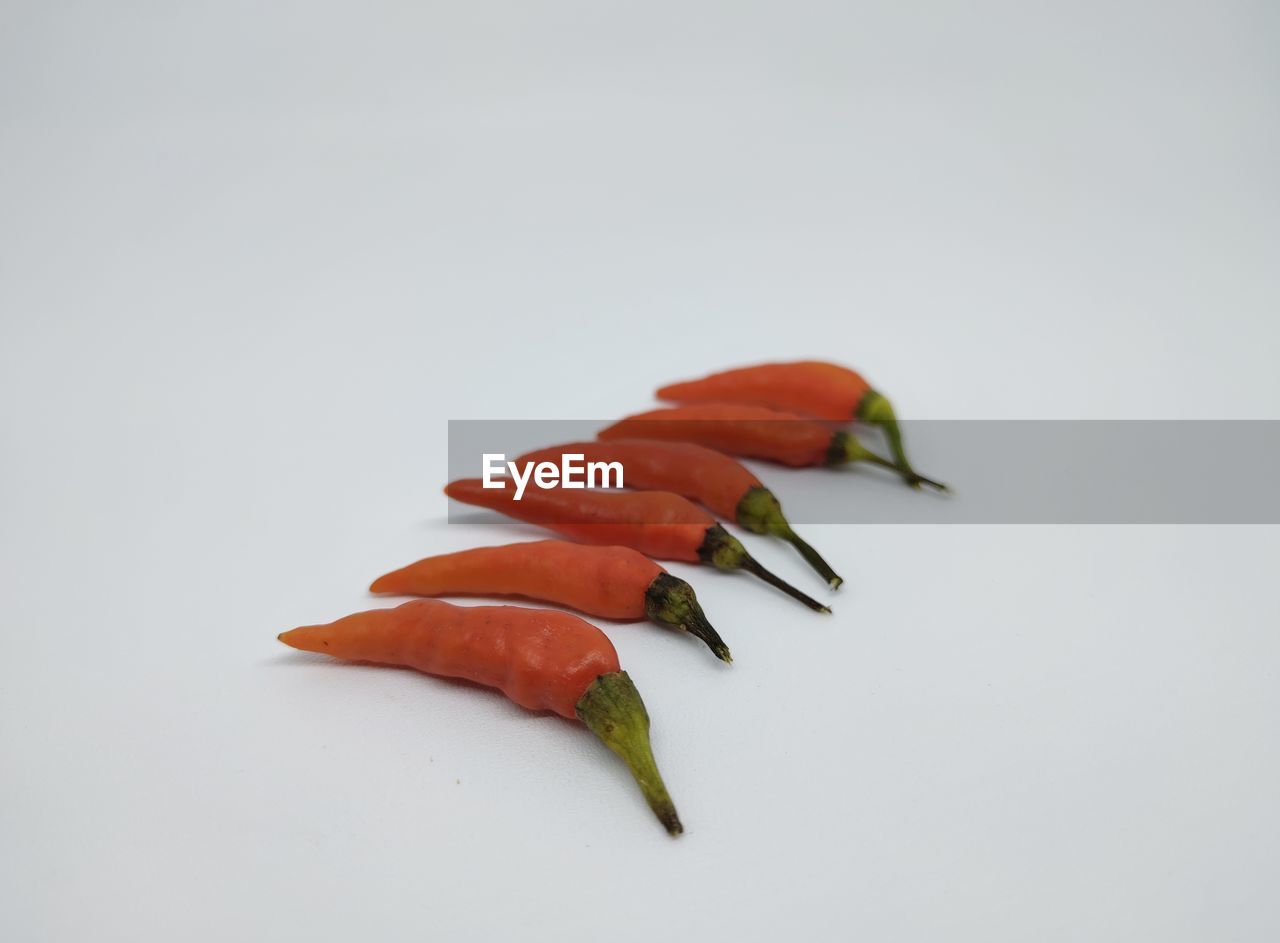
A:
{"x": 809, "y": 387}
{"x": 612, "y": 582}
{"x": 539, "y": 658}
{"x": 656, "y": 523}
{"x": 755, "y": 432}
{"x": 716, "y": 481}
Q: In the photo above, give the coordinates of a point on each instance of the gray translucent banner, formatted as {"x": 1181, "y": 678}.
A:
{"x": 1000, "y": 472}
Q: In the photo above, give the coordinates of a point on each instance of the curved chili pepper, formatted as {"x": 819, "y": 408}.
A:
{"x": 656, "y": 523}
{"x": 810, "y": 387}
{"x": 539, "y": 658}
{"x": 714, "y": 480}
{"x": 755, "y": 432}
{"x": 612, "y": 582}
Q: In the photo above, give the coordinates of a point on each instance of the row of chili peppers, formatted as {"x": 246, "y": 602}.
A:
{"x": 549, "y": 660}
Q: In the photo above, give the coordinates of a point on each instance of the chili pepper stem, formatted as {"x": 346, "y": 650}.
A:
{"x": 614, "y": 712}
{"x": 760, "y": 512}
{"x": 814, "y": 559}
{"x": 669, "y": 600}
{"x": 753, "y": 566}
{"x": 873, "y": 408}
{"x": 724, "y": 551}
{"x": 845, "y": 448}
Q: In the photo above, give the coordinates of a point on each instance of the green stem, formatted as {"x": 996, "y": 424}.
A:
{"x": 760, "y": 512}
{"x": 873, "y": 408}
{"x": 669, "y": 600}
{"x": 845, "y": 448}
{"x": 723, "y": 551}
{"x": 813, "y": 558}
{"x": 614, "y": 712}
{"x": 752, "y": 566}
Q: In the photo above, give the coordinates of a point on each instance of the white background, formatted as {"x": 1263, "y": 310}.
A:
{"x": 252, "y": 258}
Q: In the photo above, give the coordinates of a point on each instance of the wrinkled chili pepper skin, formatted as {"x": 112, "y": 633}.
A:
{"x": 704, "y": 475}
{"x": 540, "y": 658}
{"x": 602, "y": 581}
{"x": 613, "y": 582}
{"x": 656, "y": 523}
{"x": 751, "y": 431}
{"x": 808, "y": 387}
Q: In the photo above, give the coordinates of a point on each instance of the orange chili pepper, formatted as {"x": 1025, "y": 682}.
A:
{"x": 809, "y": 387}
{"x": 539, "y": 658}
{"x": 725, "y": 486}
{"x": 612, "y": 582}
{"x": 656, "y": 523}
{"x": 756, "y": 432}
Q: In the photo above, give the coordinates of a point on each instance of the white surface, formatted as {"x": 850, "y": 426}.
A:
{"x": 253, "y": 257}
